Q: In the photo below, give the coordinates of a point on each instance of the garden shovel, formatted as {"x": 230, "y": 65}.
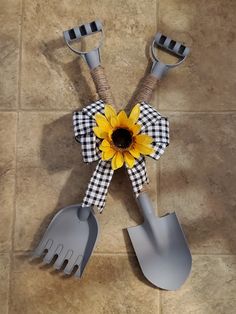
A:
{"x": 159, "y": 243}
{"x": 71, "y": 236}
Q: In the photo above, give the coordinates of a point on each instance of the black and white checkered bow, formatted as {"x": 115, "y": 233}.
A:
{"x": 152, "y": 124}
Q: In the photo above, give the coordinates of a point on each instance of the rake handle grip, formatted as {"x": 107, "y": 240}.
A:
{"x": 101, "y": 83}
{"x": 146, "y": 89}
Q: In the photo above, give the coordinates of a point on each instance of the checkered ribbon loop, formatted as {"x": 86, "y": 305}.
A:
{"x": 152, "y": 124}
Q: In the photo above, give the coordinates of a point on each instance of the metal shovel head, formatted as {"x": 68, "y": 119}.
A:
{"x": 164, "y": 258}
{"x": 69, "y": 239}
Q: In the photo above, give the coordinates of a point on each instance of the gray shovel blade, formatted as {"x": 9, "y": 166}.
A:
{"x": 165, "y": 259}
{"x": 161, "y": 247}
{"x": 69, "y": 237}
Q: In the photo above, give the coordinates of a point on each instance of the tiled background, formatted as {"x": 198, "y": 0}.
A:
{"x": 41, "y": 169}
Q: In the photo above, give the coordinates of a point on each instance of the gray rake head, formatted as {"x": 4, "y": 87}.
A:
{"x": 68, "y": 240}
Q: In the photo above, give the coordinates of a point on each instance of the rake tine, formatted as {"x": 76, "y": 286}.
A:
{"x": 64, "y": 255}
{"x": 45, "y": 244}
{"x": 50, "y": 254}
{"x": 78, "y": 273}
{"x": 72, "y": 262}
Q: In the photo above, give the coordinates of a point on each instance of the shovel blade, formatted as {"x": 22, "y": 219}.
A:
{"x": 164, "y": 257}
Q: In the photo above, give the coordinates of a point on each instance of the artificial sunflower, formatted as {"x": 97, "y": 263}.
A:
{"x": 122, "y": 141}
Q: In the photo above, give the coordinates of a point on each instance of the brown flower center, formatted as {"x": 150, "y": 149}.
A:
{"x": 122, "y": 138}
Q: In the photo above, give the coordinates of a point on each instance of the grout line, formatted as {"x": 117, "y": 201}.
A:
{"x": 20, "y": 56}
{"x": 160, "y": 301}
{"x": 39, "y": 110}
{"x": 28, "y": 251}
{"x": 114, "y": 253}
{"x": 8, "y": 110}
{"x": 125, "y": 254}
{"x": 15, "y": 162}
{"x": 159, "y": 109}
{"x": 198, "y": 112}
{"x": 13, "y": 219}
{"x": 213, "y": 254}
{"x": 13, "y": 216}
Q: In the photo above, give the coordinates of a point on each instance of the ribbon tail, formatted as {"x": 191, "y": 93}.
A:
{"x": 138, "y": 175}
{"x": 98, "y": 186}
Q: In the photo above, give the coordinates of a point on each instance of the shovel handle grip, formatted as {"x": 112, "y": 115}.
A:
{"x": 146, "y": 88}
{"x": 102, "y": 87}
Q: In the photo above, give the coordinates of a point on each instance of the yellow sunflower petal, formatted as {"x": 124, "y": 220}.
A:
{"x": 135, "y": 129}
{"x": 143, "y": 139}
{"x": 134, "y": 152}
{"x": 117, "y": 161}
{"x": 105, "y": 143}
{"x": 129, "y": 159}
{"x": 113, "y": 162}
{"x": 102, "y": 122}
{"x": 108, "y": 153}
{"x": 144, "y": 149}
{"x": 104, "y": 148}
{"x": 114, "y": 122}
{"x": 109, "y": 112}
{"x": 110, "y": 135}
{"x": 134, "y": 115}
{"x": 99, "y": 132}
{"x": 123, "y": 119}
{"x": 103, "y": 156}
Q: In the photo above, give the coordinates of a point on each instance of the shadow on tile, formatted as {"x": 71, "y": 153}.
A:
{"x": 72, "y": 69}
{"x": 147, "y": 71}
{"x": 199, "y": 188}
{"x": 75, "y": 74}
{"x": 134, "y": 267}
{"x": 55, "y": 143}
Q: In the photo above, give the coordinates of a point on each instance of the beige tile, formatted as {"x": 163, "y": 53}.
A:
{"x": 7, "y": 177}
{"x": 207, "y": 80}
{"x": 9, "y": 46}
{"x": 4, "y": 282}
{"x": 209, "y": 290}
{"x": 51, "y": 175}
{"x": 7, "y": 182}
{"x": 198, "y": 176}
{"x": 58, "y": 80}
{"x": 111, "y": 284}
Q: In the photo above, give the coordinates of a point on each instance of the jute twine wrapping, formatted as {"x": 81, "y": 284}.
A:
{"x": 144, "y": 93}
{"x": 102, "y": 86}
{"x": 147, "y": 86}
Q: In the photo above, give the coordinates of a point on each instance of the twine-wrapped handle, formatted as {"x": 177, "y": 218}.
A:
{"x": 102, "y": 86}
{"x": 144, "y": 93}
{"x": 146, "y": 89}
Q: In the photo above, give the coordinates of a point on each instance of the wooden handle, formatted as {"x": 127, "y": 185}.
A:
{"x": 102, "y": 86}
{"x": 146, "y": 89}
